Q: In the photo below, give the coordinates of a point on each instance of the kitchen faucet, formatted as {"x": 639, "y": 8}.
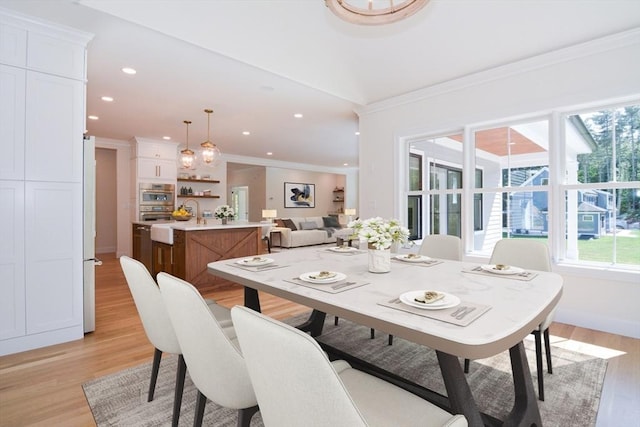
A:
{"x": 184, "y": 203}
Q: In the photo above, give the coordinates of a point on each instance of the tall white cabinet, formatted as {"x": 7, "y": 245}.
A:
{"x": 42, "y": 110}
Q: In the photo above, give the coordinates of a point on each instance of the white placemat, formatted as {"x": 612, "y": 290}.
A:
{"x": 461, "y": 315}
{"x": 525, "y": 276}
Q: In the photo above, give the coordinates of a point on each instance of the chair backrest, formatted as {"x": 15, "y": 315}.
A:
{"x": 442, "y": 246}
{"x": 215, "y": 364}
{"x": 294, "y": 382}
{"x": 151, "y": 308}
{"x": 524, "y": 253}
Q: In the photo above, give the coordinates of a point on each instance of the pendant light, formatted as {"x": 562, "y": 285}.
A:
{"x": 210, "y": 151}
{"x": 187, "y": 157}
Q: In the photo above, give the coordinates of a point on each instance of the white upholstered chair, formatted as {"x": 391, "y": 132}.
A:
{"x": 210, "y": 351}
{"x": 441, "y": 246}
{"x": 297, "y": 385}
{"x": 531, "y": 255}
{"x": 157, "y": 325}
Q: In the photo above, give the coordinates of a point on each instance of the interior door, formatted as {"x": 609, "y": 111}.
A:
{"x": 240, "y": 202}
{"x": 89, "y": 234}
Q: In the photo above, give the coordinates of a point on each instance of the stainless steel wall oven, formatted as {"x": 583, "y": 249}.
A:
{"x": 157, "y": 201}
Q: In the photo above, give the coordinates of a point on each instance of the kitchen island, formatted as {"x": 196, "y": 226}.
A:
{"x": 184, "y": 248}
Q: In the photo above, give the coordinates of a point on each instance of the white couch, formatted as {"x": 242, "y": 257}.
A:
{"x": 309, "y": 231}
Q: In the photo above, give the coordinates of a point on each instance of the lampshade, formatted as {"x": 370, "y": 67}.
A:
{"x": 349, "y": 211}
{"x": 269, "y": 213}
{"x": 187, "y": 157}
{"x": 210, "y": 152}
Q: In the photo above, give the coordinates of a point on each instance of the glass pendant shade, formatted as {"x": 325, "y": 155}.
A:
{"x": 210, "y": 152}
{"x": 187, "y": 157}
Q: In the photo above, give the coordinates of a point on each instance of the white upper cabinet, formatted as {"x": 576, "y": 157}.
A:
{"x": 55, "y": 56}
{"x": 156, "y": 150}
{"x": 12, "y": 122}
{"x": 13, "y": 45}
{"x": 155, "y": 161}
{"x": 55, "y": 124}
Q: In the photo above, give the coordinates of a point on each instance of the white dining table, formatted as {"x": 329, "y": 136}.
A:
{"x": 513, "y": 306}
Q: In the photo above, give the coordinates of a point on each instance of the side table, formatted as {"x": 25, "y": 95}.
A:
{"x": 279, "y": 234}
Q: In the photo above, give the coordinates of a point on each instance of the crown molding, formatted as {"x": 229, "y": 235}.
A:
{"x": 590, "y": 48}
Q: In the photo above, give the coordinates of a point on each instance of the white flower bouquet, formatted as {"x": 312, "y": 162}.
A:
{"x": 380, "y": 233}
{"x": 224, "y": 212}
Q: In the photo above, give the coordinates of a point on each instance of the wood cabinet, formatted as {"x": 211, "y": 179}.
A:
{"x": 162, "y": 254}
{"x": 42, "y": 76}
{"x": 142, "y": 247}
{"x": 193, "y": 250}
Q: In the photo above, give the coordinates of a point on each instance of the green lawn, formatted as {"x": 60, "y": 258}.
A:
{"x": 627, "y": 248}
{"x": 601, "y": 250}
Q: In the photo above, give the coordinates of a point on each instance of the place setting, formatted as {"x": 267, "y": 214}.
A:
{"x": 327, "y": 281}
{"x": 256, "y": 263}
{"x": 502, "y": 270}
{"x": 343, "y": 250}
{"x": 437, "y": 305}
{"x": 417, "y": 259}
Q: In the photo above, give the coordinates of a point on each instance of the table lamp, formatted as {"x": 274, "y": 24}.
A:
{"x": 349, "y": 212}
{"x": 269, "y": 214}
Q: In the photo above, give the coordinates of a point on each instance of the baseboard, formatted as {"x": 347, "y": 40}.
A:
{"x": 599, "y": 323}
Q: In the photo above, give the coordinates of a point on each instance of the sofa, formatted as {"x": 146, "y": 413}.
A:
{"x": 307, "y": 231}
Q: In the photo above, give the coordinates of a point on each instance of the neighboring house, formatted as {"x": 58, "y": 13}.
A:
{"x": 529, "y": 209}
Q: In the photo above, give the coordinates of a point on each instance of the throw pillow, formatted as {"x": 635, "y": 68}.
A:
{"x": 310, "y": 225}
{"x": 280, "y": 223}
{"x": 289, "y": 224}
{"x": 331, "y": 221}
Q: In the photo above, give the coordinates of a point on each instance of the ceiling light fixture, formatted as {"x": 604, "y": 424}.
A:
{"x": 374, "y": 12}
{"x": 128, "y": 70}
{"x": 93, "y": 117}
{"x": 210, "y": 151}
{"x": 107, "y": 99}
{"x": 298, "y": 115}
{"x": 187, "y": 157}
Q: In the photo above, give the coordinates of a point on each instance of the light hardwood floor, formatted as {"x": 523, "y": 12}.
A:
{"x": 44, "y": 386}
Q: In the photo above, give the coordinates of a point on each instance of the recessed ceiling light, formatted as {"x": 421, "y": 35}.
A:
{"x": 345, "y": 164}
{"x": 128, "y": 70}
{"x": 246, "y": 132}
{"x": 107, "y": 99}
{"x": 267, "y": 88}
{"x": 269, "y": 153}
{"x": 93, "y": 117}
{"x": 167, "y": 138}
{"x": 357, "y": 133}
{"x": 297, "y": 115}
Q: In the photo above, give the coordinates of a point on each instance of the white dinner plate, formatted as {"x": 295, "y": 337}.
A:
{"x": 408, "y": 258}
{"x": 448, "y": 301}
{"x": 510, "y": 270}
{"x": 312, "y": 277}
{"x": 255, "y": 261}
{"x": 343, "y": 249}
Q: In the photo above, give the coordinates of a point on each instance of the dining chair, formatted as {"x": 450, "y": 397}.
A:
{"x": 157, "y": 325}
{"x": 441, "y": 246}
{"x": 531, "y": 255}
{"x": 297, "y": 385}
{"x": 210, "y": 351}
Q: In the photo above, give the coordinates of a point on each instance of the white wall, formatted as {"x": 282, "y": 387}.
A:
{"x": 602, "y": 70}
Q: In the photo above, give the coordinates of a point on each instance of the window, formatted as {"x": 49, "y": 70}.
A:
{"x": 601, "y": 187}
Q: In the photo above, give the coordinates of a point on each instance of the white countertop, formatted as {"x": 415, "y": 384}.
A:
{"x": 162, "y": 231}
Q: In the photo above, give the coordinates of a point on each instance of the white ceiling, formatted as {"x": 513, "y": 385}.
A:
{"x": 257, "y": 62}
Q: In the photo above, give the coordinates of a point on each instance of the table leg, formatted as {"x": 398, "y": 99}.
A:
{"x": 251, "y": 299}
{"x": 314, "y": 324}
{"x": 458, "y": 391}
{"x": 525, "y": 408}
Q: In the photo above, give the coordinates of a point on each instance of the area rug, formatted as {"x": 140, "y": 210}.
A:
{"x": 572, "y": 392}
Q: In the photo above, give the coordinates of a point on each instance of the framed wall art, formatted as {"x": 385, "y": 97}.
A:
{"x": 297, "y": 195}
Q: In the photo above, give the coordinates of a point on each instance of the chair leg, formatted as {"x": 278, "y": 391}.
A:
{"x": 201, "y": 401}
{"x": 177, "y": 398}
{"x": 538, "y": 338}
{"x": 547, "y": 349}
{"x": 390, "y": 339}
{"x": 157, "y": 355}
{"x": 373, "y": 333}
{"x": 244, "y": 416}
{"x": 335, "y": 320}
{"x": 466, "y": 366}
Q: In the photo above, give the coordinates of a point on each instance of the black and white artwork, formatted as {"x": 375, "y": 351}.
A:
{"x": 299, "y": 195}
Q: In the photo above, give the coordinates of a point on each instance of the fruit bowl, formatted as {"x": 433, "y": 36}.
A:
{"x": 182, "y": 217}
